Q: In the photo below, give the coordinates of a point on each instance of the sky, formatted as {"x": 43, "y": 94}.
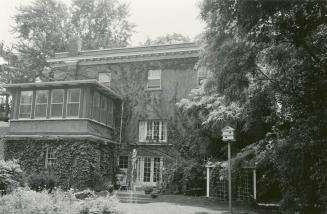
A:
{"x": 152, "y": 18}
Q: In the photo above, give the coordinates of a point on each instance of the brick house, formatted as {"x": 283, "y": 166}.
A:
{"x": 115, "y": 100}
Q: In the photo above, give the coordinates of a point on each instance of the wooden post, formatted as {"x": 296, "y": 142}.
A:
{"x": 208, "y": 182}
{"x": 229, "y": 179}
{"x": 254, "y": 184}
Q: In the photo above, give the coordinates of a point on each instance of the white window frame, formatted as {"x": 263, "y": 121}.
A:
{"x": 20, "y": 104}
{"x": 49, "y": 157}
{"x": 154, "y": 78}
{"x": 69, "y": 102}
{"x": 147, "y": 135}
{"x": 36, "y": 103}
{"x": 63, "y": 102}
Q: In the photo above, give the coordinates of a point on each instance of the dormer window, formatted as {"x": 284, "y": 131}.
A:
{"x": 154, "y": 79}
{"x": 25, "y": 107}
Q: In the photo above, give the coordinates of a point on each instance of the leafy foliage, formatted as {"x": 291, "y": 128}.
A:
{"x": 11, "y": 175}
{"x": 167, "y": 39}
{"x": 40, "y": 182}
{"x": 101, "y": 23}
{"x": 269, "y": 57}
{"x": 46, "y": 27}
{"x": 77, "y": 164}
{"x": 59, "y": 202}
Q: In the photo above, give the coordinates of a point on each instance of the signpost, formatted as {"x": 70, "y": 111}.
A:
{"x": 228, "y": 136}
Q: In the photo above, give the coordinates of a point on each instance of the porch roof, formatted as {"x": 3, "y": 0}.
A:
{"x": 91, "y": 82}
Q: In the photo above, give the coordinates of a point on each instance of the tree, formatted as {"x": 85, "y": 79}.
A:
{"x": 167, "y": 39}
{"x": 42, "y": 29}
{"x": 101, "y": 23}
{"x": 273, "y": 53}
{"x": 46, "y": 27}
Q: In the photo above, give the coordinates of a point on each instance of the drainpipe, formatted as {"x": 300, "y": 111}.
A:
{"x": 121, "y": 122}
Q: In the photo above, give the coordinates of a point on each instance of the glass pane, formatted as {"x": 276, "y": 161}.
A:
{"x": 149, "y": 130}
{"x": 57, "y": 96}
{"x": 73, "y": 95}
{"x": 147, "y": 169}
{"x": 72, "y": 109}
{"x": 41, "y": 110}
{"x": 26, "y": 97}
{"x": 154, "y": 83}
{"x": 156, "y": 130}
{"x": 42, "y": 97}
{"x": 154, "y": 74}
{"x": 25, "y": 111}
{"x": 156, "y": 170}
{"x": 56, "y": 110}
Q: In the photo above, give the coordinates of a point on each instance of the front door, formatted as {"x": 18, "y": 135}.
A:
{"x": 148, "y": 171}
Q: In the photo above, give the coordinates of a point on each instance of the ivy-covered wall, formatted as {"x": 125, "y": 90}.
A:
{"x": 78, "y": 163}
{"x": 178, "y": 77}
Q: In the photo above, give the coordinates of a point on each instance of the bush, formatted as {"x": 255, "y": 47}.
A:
{"x": 39, "y": 182}
{"x": 147, "y": 189}
{"x": 24, "y": 200}
{"x": 84, "y": 194}
{"x": 11, "y": 175}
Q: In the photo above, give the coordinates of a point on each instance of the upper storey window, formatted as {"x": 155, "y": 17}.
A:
{"x": 57, "y": 102}
{"x": 25, "y": 107}
{"x": 103, "y": 109}
{"x": 73, "y": 102}
{"x": 41, "y": 104}
{"x": 104, "y": 77}
{"x": 154, "y": 79}
{"x": 153, "y": 131}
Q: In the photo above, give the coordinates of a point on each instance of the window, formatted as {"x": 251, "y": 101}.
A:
{"x": 202, "y": 75}
{"x": 110, "y": 115}
{"x": 73, "y": 102}
{"x": 147, "y": 169}
{"x": 123, "y": 162}
{"x": 156, "y": 170}
{"x": 154, "y": 79}
{"x": 103, "y": 109}
{"x": 153, "y": 130}
{"x": 50, "y": 157}
{"x": 41, "y": 104}
{"x": 104, "y": 77}
{"x": 25, "y": 107}
{"x": 57, "y": 102}
{"x": 96, "y": 106}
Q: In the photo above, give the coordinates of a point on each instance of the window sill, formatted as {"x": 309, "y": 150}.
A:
{"x": 153, "y": 89}
{"x": 60, "y": 119}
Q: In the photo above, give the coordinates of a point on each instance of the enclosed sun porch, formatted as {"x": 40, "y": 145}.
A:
{"x": 79, "y": 108}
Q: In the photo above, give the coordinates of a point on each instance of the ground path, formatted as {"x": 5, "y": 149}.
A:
{"x": 179, "y": 204}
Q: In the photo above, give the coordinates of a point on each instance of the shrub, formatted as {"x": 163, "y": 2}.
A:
{"x": 85, "y": 194}
{"x": 39, "y": 182}
{"x": 11, "y": 175}
{"x": 24, "y": 200}
{"x": 147, "y": 189}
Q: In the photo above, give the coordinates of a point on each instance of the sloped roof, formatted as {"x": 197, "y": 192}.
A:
{"x": 63, "y": 83}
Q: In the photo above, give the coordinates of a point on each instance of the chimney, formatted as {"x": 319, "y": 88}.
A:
{"x": 74, "y": 46}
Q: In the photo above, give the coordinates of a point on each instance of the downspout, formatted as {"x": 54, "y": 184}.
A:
{"x": 121, "y": 122}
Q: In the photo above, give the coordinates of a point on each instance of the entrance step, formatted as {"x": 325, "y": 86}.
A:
{"x": 134, "y": 197}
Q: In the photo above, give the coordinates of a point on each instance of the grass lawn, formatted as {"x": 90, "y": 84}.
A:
{"x": 180, "y": 204}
